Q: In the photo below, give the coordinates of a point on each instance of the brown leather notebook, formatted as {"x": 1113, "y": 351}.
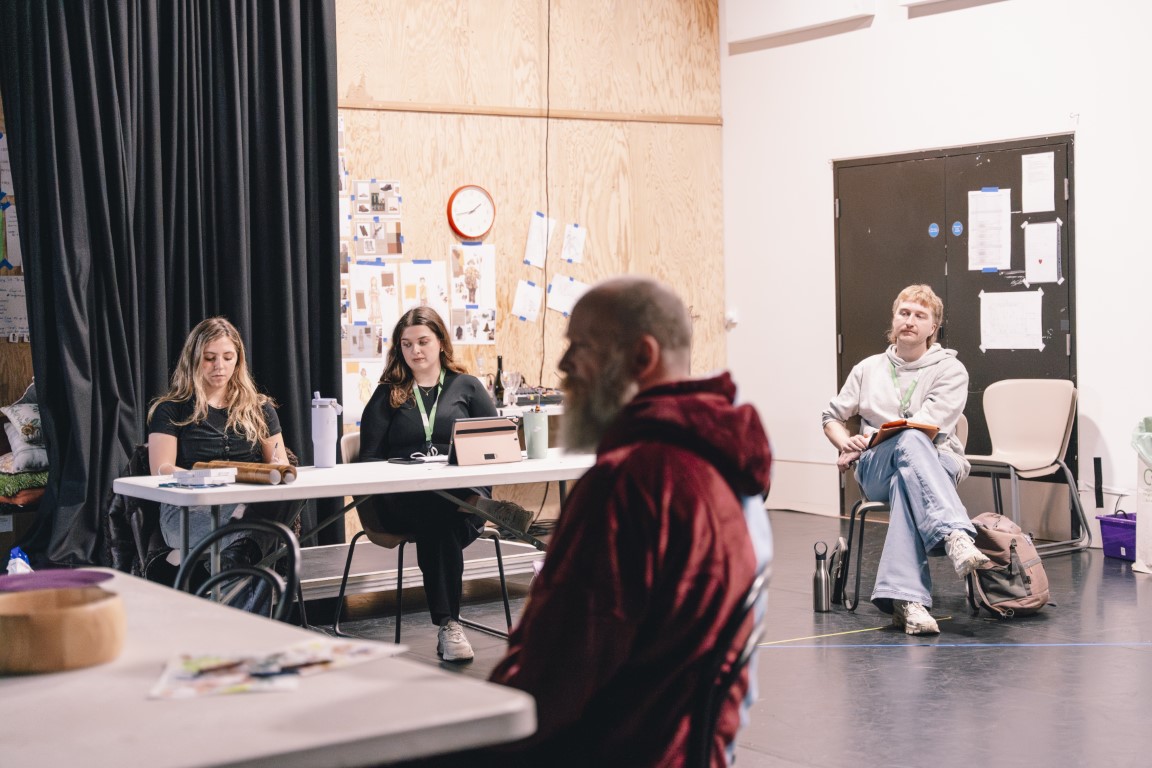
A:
{"x": 893, "y": 428}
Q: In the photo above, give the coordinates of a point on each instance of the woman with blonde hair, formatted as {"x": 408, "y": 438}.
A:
{"x": 213, "y": 411}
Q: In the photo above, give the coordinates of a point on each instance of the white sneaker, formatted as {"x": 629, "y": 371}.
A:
{"x": 508, "y": 513}
{"x": 964, "y": 554}
{"x": 451, "y": 644}
{"x": 913, "y": 618}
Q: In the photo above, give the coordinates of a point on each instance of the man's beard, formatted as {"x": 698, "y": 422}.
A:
{"x": 591, "y": 407}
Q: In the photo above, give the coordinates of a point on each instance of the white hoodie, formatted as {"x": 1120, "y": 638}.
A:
{"x": 941, "y": 391}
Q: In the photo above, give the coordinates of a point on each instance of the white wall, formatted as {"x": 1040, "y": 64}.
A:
{"x": 999, "y": 71}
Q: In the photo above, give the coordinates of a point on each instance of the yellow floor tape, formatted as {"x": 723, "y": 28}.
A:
{"x": 836, "y": 634}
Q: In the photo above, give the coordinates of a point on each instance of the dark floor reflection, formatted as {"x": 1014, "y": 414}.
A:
{"x": 1067, "y": 687}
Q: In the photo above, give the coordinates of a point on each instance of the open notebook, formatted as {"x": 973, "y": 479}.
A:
{"x": 893, "y": 428}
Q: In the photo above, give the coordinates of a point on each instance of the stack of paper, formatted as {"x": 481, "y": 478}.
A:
{"x": 204, "y": 478}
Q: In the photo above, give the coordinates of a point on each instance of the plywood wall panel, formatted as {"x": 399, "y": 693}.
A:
{"x": 649, "y": 57}
{"x": 433, "y": 154}
{"x": 15, "y": 370}
{"x": 677, "y": 215}
{"x": 604, "y": 113}
{"x": 650, "y": 197}
{"x": 654, "y": 59}
{"x": 449, "y": 52}
{"x": 648, "y": 194}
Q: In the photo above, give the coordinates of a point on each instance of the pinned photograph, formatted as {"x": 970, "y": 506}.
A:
{"x": 473, "y": 326}
{"x": 473, "y": 275}
{"x": 425, "y": 283}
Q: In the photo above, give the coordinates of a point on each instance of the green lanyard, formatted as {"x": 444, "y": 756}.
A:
{"x": 429, "y": 419}
{"x": 906, "y": 397}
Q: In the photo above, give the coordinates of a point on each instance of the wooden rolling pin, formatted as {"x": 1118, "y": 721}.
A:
{"x": 255, "y": 472}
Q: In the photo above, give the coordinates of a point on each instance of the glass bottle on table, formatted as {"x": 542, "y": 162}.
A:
{"x": 498, "y": 385}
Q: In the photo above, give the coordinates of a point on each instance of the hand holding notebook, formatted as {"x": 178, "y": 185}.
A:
{"x": 893, "y": 428}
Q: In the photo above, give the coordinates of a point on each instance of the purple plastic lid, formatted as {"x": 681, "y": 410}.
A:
{"x": 57, "y": 578}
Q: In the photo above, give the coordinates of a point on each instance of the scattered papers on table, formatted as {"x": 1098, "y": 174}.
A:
{"x": 190, "y": 676}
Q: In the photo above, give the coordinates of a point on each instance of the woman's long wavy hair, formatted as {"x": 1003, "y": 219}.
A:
{"x": 397, "y": 374}
{"x": 244, "y": 403}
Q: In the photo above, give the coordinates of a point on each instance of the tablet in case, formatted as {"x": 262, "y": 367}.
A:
{"x": 485, "y": 440}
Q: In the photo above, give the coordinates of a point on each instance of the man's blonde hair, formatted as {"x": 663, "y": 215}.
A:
{"x": 926, "y": 297}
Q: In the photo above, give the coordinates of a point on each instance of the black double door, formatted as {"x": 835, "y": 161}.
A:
{"x": 905, "y": 219}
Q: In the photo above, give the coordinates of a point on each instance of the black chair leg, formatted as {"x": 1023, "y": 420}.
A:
{"x": 399, "y": 590}
{"x": 997, "y": 498}
{"x": 851, "y": 603}
{"x": 840, "y": 582}
{"x": 504, "y": 594}
{"x": 303, "y": 613}
{"x": 344, "y": 587}
{"x": 503, "y": 585}
{"x": 859, "y": 515}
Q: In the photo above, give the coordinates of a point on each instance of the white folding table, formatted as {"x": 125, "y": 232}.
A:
{"x": 365, "y": 479}
{"x": 380, "y": 711}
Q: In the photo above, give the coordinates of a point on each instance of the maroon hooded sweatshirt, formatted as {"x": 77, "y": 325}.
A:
{"x": 650, "y": 555}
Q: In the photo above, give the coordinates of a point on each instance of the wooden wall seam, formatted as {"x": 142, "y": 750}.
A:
{"x": 547, "y": 114}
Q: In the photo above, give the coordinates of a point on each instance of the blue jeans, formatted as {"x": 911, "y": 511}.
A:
{"x": 199, "y": 524}
{"x": 919, "y": 484}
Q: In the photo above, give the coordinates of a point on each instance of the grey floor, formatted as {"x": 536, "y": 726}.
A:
{"x": 1067, "y": 687}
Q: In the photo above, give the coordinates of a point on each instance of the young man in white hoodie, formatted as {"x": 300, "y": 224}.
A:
{"x": 918, "y": 380}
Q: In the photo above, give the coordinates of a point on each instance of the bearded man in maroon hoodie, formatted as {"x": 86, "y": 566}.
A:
{"x": 655, "y": 547}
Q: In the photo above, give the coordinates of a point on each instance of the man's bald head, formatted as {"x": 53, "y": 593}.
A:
{"x": 624, "y": 309}
{"x": 624, "y": 336}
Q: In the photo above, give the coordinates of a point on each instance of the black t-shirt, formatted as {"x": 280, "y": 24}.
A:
{"x": 208, "y": 440}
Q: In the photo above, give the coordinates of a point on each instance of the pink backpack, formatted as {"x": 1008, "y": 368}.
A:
{"x": 1014, "y": 584}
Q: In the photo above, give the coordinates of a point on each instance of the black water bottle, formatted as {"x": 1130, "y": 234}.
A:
{"x": 498, "y": 386}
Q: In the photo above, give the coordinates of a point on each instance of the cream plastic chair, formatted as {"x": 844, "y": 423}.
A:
{"x": 349, "y": 453}
{"x": 1030, "y": 423}
{"x": 843, "y": 559}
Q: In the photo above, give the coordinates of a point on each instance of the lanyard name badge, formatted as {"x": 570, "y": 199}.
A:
{"x": 905, "y": 397}
{"x": 429, "y": 418}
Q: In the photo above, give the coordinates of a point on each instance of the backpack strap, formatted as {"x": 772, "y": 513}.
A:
{"x": 973, "y": 586}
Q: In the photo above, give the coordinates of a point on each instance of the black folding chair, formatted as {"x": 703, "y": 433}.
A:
{"x": 718, "y": 681}
{"x": 232, "y": 582}
{"x": 842, "y": 560}
{"x": 350, "y": 452}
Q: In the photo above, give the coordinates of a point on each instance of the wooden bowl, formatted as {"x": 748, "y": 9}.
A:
{"x": 50, "y": 630}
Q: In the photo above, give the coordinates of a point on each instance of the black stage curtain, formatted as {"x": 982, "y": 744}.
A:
{"x": 173, "y": 160}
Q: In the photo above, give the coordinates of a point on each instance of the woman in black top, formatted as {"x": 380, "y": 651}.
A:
{"x": 421, "y": 394}
{"x": 213, "y": 411}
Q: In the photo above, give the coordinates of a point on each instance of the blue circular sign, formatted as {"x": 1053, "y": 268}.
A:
{"x": 933, "y": 229}
{"x": 957, "y": 228}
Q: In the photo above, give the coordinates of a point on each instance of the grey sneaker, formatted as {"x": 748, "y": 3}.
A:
{"x": 508, "y": 514}
{"x": 913, "y": 618}
{"x": 451, "y": 644}
{"x": 962, "y": 550}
